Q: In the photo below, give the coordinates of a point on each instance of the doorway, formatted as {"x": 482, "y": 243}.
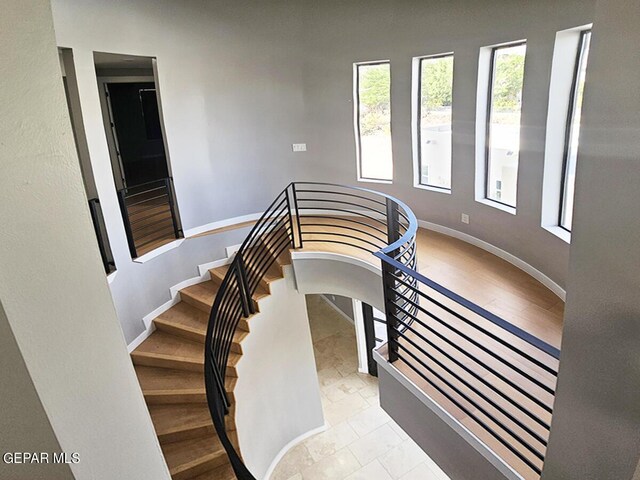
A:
{"x": 132, "y": 115}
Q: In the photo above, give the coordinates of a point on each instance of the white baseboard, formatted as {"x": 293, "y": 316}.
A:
{"x": 290, "y": 445}
{"x": 141, "y": 338}
{"x": 512, "y": 259}
{"x": 335, "y": 307}
{"x": 190, "y": 232}
{"x": 158, "y": 251}
{"x": 231, "y": 251}
{"x": 147, "y": 320}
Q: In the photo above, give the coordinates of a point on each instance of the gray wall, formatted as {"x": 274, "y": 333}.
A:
{"x": 52, "y": 286}
{"x": 340, "y": 33}
{"x": 242, "y": 81}
{"x": 344, "y": 304}
{"x": 595, "y": 432}
{"x": 23, "y": 421}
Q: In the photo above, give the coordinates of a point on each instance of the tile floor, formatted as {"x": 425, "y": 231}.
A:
{"x": 362, "y": 441}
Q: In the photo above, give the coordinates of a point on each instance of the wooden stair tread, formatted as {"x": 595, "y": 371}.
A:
{"x": 223, "y": 472}
{"x": 166, "y": 379}
{"x": 162, "y": 344}
{"x": 185, "y": 315}
{"x": 181, "y": 421}
{"x": 186, "y": 321}
{"x": 218, "y": 274}
{"x": 201, "y": 295}
{"x": 188, "y": 458}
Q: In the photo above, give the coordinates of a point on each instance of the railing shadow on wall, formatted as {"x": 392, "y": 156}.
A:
{"x": 500, "y": 376}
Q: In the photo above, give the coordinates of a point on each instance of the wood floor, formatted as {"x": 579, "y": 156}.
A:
{"x": 169, "y": 364}
{"x": 170, "y": 369}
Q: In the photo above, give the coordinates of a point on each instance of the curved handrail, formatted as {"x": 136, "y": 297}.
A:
{"x": 386, "y": 227}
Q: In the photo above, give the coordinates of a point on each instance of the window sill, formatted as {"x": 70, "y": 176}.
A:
{"x": 373, "y": 180}
{"x": 499, "y": 206}
{"x": 112, "y": 276}
{"x": 158, "y": 251}
{"x": 429, "y": 188}
{"x": 559, "y": 232}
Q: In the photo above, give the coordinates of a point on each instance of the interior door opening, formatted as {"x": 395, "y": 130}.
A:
{"x": 132, "y": 115}
{"x": 70, "y": 83}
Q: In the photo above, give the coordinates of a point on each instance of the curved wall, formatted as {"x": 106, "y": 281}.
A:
{"x": 241, "y": 83}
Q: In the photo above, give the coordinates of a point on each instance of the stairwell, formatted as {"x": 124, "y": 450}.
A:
{"x": 170, "y": 368}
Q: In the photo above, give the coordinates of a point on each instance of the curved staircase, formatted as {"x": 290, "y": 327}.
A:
{"x": 170, "y": 367}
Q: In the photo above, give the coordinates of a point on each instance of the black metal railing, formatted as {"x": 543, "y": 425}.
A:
{"x": 101, "y": 235}
{"x": 500, "y": 376}
{"x": 149, "y": 215}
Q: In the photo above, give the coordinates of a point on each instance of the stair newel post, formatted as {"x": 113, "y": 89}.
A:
{"x": 243, "y": 285}
{"x": 295, "y": 206}
{"x": 389, "y": 283}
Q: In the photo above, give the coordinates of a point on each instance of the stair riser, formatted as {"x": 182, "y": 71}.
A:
{"x": 178, "y": 398}
{"x": 194, "y": 302}
{"x": 164, "y": 362}
{"x": 186, "y": 434}
{"x": 200, "y": 467}
{"x": 181, "y": 332}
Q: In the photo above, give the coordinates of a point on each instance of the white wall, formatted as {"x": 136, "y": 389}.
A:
{"x": 277, "y": 401}
{"x": 595, "y": 432}
{"x": 52, "y": 284}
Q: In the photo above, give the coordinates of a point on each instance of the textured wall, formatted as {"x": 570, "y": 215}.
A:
{"x": 52, "y": 284}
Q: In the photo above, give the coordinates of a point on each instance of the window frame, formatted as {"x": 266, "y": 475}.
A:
{"x": 570, "y": 122}
{"x": 356, "y": 120}
{"x": 418, "y": 123}
{"x": 487, "y": 140}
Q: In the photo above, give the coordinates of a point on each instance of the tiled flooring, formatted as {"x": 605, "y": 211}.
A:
{"x": 362, "y": 442}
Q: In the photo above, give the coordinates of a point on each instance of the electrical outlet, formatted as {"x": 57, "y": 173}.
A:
{"x": 464, "y": 218}
{"x": 299, "y": 147}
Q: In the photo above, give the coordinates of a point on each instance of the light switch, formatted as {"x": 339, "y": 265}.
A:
{"x": 299, "y": 147}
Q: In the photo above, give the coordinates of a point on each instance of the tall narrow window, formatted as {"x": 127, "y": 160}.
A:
{"x": 373, "y": 121}
{"x": 503, "y": 122}
{"x": 435, "y": 97}
{"x": 573, "y": 132}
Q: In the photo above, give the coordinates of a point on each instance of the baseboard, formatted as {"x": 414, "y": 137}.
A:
{"x": 335, "y": 307}
{"x": 190, "y": 232}
{"x": 290, "y": 445}
{"x": 512, "y": 259}
{"x": 142, "y": 337}
{"x": 147, "y": 320}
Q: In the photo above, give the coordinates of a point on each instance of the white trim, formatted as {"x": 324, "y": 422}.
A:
{"x": 361, "y": 339}
{"x": 446, "y": 191}
{"x": 190, "y": 232}
{"x": 375, "y": 180}
{"x": 141, "y": 338}
{"x": 447, "y": 418}
{"x": 335, "y": 307}
{"x": 512, "y": 259}
{"x": 298, "y": 255}
{"x": 290, "y": 445}
{"x": 147, "y": 320}
{"x": 205, "y": 267}
{"x": 158, "y": 251}
{"x": 231, "y": 251}
{"x": 558, "y": 231}
{"x": 500, "y": 206}
{"x": 111, "y": 277}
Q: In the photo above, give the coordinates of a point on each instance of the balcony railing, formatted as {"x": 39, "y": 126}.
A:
{"x": 149, "y": 214}
{"x": 501, "y": 377}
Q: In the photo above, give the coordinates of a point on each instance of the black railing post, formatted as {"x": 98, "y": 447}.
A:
{"x": 295, "y": 205}
{"x": 243, "y": 283}
{"x": 94, "y": 209}
{"x": 290, "y": 215}
{"x": 122, "y": 199}
{"x": 388, "y": 281}
{"x": 172, "y": 207}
